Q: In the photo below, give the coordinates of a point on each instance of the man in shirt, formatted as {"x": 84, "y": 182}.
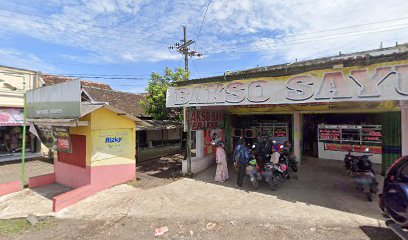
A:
{"x": 241, "y": 159}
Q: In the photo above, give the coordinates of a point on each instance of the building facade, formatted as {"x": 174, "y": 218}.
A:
{"x": 325, "y": 107}
{"x": 14, "y": 83}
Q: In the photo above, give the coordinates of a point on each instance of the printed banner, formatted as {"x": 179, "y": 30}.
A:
{"x": 11, "y": 117}
{"x": 353, "y": 148}
{"x": 206, "y": 119}
{"x": 111, "y": 143}
{"x": 55, "y": 138}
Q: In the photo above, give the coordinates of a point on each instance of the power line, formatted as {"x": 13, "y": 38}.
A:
{"x": 198, "y": 73}
{"x": 202, "y": 22}
{"x": 184, "y": 49}
{"x": 293, "y": 42}
{"x": 320, "y": 31}
{"x": 118, "y": 78}
{"x": 123, "y": 39}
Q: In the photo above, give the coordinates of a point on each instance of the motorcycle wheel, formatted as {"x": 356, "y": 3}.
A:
{"x": 369, "y": 196}
{"x": 274, "y": 182}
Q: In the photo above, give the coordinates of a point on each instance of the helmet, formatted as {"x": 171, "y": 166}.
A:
{"x": 364, "y": 165}
{"x": 276, "y": 148}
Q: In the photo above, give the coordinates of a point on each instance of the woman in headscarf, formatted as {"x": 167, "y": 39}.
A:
{"x": 221, "y": 173}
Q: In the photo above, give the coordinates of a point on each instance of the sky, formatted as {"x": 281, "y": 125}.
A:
{"x": 121, "y": 42}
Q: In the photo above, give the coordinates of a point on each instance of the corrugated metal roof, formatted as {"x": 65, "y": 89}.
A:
{"x": 159, "y": 125}
{"x": 364, "y": 58}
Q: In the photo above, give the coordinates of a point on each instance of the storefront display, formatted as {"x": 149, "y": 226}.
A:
{"x": 337, "y": 140}
{"x": 11, "y": 140}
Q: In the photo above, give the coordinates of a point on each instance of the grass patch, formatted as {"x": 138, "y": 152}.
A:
{"x": 14, "y": 226}
{"x": 19, "y": 226}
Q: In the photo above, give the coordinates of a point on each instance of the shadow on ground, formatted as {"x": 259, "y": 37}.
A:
{"x": 164, "y": 167}
{"x": 51, "y": 190}
{"x": 379, "y": 233}
{"x": 319, "y": 182}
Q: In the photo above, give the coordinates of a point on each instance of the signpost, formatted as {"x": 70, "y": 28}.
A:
{"x": 59, "y": 101}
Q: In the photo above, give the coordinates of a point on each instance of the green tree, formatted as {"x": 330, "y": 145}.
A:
{"x": 155, "y": 103}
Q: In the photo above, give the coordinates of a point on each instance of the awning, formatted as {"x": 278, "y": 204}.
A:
{"x": 59, "y": 122}
{"x": 11, "y": 117}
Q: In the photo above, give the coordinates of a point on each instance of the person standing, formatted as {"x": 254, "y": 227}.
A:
{"x": 221, "y": 173}
{"x": 241, "y": 159}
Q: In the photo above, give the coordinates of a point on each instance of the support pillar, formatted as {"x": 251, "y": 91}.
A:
{"x": 297, "y": 135}
{"x": 199, "y": 143}
{"x": 404, "y": 127}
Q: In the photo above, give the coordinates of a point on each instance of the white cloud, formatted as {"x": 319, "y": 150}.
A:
{"x": 19, "y": 59}
{"x": 120, "y": 31}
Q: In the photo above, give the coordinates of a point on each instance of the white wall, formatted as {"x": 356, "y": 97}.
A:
{"x": 339, "y": 155}
{"x": 21, "y": 80}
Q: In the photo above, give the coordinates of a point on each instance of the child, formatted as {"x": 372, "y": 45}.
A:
{"x": 275, "y": 155}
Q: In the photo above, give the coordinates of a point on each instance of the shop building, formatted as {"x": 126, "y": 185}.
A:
{"x": 154, "y": 138}
{"x": 94, "y": 141}
{"x": 325, "y": 107}
{"x": 14, "y": 83}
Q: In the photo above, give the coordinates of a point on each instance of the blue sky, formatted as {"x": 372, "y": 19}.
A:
{"x": 129, "y": 38}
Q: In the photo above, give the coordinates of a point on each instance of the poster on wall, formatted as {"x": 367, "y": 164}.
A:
{"x": 111, "y": 143}
{"x": 353, "y": 148}
{"x": 327, "y": 134}
{"x": 211, "y": 137}
{"x": 11, "y": 117}
{"x": 55, "y": 138}
{"x": 206, "y": 119}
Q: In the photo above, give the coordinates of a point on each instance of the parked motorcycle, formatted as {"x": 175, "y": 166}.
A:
{"x": 350, "y": 162}
{"x": 363, "y": 174}
{"x": 289, "y": 160}
{"x": 394, "y": 199}
{"x": 275, "y": 174}
{"x": 253, "y": 174}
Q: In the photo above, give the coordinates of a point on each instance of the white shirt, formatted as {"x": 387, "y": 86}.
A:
{"x": 275, "y": 158}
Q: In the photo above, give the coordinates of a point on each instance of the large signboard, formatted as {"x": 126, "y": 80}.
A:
{"x": 206, "y": 119}
{"x": 58, "y": 101}
{"x": 111, "y": 143}
{"x": 380, "y": 82}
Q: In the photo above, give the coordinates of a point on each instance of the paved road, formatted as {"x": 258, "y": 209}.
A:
{"x": 316, "y": 206}
{"x": 12, "y": 171}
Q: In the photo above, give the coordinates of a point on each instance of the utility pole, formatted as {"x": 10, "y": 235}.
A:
{"x": 183, "y": 49}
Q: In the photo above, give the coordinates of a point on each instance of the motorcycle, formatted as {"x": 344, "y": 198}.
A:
{"x": 364, "y": 175}
{"x": 350, "y": 162}
{"x": 366, "y": 183}
{"x": 275, "y": 174}
{"x": 394, "y": 198}
{"x": 268, "y": 172}
{"x": 253, "y": 174}
{"x": 289, "y": 160}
